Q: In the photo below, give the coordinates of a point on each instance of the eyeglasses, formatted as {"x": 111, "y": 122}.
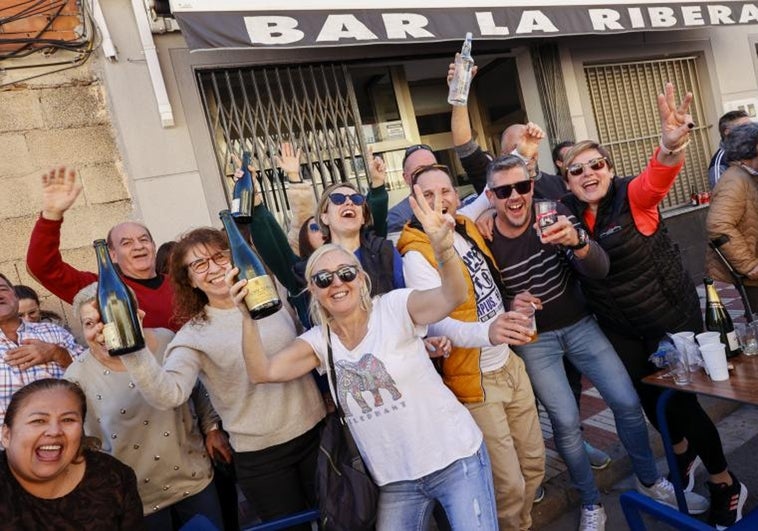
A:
{"x": 504, "y": 191}
{"x": 201, "y": 265}
{"x": 323, "y": 279}
{"x": 338, "y": 198}
{"x": 410, "y": 150}
{"x": 313, "y": 227}
{"x": 597, "y": 164}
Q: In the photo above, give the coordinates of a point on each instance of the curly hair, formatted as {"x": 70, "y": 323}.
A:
{"x": 189, "y": 302}
{"x": 742, "y": 142}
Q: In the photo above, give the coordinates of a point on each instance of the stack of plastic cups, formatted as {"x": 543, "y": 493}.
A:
{"x": 714, "y": 355}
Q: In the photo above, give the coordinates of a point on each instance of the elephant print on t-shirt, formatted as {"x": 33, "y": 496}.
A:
{"x": 367, "y": 375}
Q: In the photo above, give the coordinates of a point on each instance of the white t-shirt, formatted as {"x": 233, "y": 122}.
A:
{"x": 405, "y": 421}
{"x": 420, "y": 274}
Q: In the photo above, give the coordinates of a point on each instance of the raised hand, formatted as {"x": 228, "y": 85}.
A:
{"x": 530, "y": 141}
{"x": 377, "y": 170}
{"x": 676, "y": 122}
{"x": 437, "y": 226}
{"x": 451, "y": 70}
{"x": 289, "y": 161}
{"x": 59, "y": 191}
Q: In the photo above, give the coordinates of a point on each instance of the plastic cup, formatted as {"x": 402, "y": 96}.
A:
{"x": 714, "y": 355}
{"x": 532, "y": 325}
{"x": 546, "y": 213}
{"x": 707, "y": 338}
{"x": 685, "y": 343}
{"x": 681, "y": 373}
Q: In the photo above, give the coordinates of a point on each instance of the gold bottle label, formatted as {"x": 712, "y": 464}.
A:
{"x": 260, "y": 291}
{"x": 112, "y": 338}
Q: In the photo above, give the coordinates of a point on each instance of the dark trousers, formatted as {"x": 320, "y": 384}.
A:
{"x": 175, "y": 516}
{"x": 686, "y": 417}
{"x": 280, "y": 480}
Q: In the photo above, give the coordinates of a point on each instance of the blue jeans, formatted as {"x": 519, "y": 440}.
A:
{"x": 174, "y": 516}
{"x": 585, "y": 345}
{"x": 463, "y": 488}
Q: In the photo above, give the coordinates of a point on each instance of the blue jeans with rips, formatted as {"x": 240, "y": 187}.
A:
{"x": 585, "y": 345}
{"x": 463, "y": 488}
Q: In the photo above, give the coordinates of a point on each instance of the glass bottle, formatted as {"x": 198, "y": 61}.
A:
{"x": 262, "y": 298}
{"x": 242, "y": 197}
{"x": 118, "y": 308}
{"x": 461, "y": 82}
{"x": 717, "y": 319}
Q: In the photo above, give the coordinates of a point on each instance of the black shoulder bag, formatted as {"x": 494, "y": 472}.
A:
{"x": 347, "y": 496}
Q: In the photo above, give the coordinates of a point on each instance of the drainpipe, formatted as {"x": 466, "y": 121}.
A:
{"x": 153, "y": 65}
{"x": 109, "y": 49}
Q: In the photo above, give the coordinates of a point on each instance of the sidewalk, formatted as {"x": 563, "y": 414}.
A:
{"x": 739, "y": 433}
{"x": 600, "y": 431}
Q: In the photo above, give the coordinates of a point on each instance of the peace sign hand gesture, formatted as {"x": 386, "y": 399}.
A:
{"x": 676, "y": 122}
{"x": 437, "y": 226}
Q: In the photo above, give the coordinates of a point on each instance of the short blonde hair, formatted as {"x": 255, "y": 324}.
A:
{"x": 318, "y": 314}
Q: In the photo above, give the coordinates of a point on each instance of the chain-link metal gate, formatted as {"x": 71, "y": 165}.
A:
{"x": 313, "y": 107}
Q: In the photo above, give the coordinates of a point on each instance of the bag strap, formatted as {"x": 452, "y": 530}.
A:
{"x": 358, "y": 463}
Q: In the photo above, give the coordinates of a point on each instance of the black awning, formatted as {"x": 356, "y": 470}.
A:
{"x": 212, "y": 24}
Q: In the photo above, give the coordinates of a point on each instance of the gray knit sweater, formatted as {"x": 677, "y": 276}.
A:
{"x": 256, "y": 416}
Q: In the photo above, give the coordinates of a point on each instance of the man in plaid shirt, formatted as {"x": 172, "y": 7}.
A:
{"x": 29, "y": 351}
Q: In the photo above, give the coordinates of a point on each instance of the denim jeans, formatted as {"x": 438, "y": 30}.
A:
{"x": 584, "y": 344}
{"x": 463, "y": 488}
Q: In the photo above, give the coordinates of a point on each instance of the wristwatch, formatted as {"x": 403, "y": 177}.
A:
{"x": 584, "y": 240}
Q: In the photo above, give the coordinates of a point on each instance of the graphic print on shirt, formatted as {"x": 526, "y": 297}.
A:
{"x": 488, "y": 300}
{"x": 368, "y": 375}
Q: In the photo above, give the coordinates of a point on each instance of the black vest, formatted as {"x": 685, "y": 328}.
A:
{"x": 647, "y": 291}
{"x": 378, "y": 260}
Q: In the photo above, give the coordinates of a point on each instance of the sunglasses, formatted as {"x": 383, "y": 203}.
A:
{"x": 575, "y": 170}
{"x": 323, "y": 279}
{"x": 410, "y": 150}
{"x": 429, "y": 167}
{"x": 201, "y": 265}
{"x": 338, "y": 198}
{"x": 313, "y": 227}
{"x": 504, "y": 191}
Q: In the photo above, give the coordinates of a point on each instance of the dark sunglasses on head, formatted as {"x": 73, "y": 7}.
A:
{"x": 597, "y": 164}
{"x": 504, "y": 191}
{"x": 410, "y": 150}
{"x": 323, "y": 279}
{"x": 338, "y": 198}
{"x": 313, "y": 227}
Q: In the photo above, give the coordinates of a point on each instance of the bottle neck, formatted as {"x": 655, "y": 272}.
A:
{"x": 712, "y": 296}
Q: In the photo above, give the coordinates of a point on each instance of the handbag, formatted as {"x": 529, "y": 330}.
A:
{"x": 347, "y": 495}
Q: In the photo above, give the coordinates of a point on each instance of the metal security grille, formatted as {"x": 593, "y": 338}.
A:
{"x": 313, "y": 107}
{"x": 626, "y": 113}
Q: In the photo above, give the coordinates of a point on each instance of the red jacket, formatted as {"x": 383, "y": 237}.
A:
{"x": 45, "y": 263}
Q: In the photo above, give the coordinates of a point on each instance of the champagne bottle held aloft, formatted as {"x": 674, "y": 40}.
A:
{"x": 118, "y": 308}
{"x": 262, "y": 298}
{"x": 717, "y": 319}
{"x": 242, "y": 197}
{"x": 461, "y": 82}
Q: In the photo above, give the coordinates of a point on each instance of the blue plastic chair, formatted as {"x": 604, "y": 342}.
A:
{"x": 287, "y": 521}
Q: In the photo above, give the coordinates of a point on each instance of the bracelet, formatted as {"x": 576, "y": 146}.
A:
{"x": 447, "y": 255}
{"x": 668, "y": 151}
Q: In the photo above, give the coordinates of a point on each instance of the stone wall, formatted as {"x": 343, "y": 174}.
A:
{"x": 51, "y": 120}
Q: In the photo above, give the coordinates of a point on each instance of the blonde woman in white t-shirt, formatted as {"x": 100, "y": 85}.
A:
{"x": 419, "y": 443}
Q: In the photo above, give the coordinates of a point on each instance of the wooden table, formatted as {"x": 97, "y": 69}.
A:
{"x": 742, "y": 386}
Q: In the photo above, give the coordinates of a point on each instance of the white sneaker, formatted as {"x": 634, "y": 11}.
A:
{"x": 663, "y": 491}
{"x": 593, "y": 518}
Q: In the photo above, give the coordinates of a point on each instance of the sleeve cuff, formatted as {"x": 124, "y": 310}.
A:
{"x": 467, "y": 149}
